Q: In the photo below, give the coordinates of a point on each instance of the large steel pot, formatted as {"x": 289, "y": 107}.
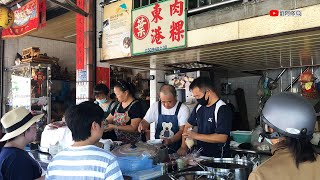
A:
{"x": 191, "y": 175}
{"x": 240, "y": 169}
{"x": 157, "y": 153}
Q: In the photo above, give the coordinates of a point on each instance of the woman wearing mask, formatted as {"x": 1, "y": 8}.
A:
{"x": 288, "y": 122}
{"x": 126, "y": 116}
{"x": 101, "y": 93}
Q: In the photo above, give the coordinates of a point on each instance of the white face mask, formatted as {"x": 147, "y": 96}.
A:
{"x": 268, "y": 140}
{"x": 261, "y": 139}
{"x": 102, "y": 101}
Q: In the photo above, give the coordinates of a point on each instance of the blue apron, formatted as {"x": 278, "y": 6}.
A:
{"x": 168, "y": 126}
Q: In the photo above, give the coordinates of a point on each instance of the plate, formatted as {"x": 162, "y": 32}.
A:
{"x": 118, "y": 142}
{"x": 154, "y": 141}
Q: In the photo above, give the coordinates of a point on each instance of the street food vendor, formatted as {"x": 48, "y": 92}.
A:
{"x": 101, "y": 93}
{"x": 170, "y": 117}
{"x": 288, "y": 122}
{"x": 126, "y": 116}
{"x": 213, "y": 118}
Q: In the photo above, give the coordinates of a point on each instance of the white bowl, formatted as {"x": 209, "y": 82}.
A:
{"x": 155, "y": 141}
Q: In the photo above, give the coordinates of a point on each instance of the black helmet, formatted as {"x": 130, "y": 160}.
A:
{"x": 289, "y": 115}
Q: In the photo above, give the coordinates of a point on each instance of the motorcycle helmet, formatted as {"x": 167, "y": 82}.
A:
{"x": 288, "y": 114}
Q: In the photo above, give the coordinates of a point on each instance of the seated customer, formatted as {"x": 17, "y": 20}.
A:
{"x": 83, "y": 160}
{"x": 15, "y": 163}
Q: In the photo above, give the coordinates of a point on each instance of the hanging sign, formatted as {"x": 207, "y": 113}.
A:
{"x": 80, "y": 38}
{"x": 28, "y": 18}
{"x": 6, "y": 17}
{"x": 116, "y": 37}
{"x": 159, "y": 27}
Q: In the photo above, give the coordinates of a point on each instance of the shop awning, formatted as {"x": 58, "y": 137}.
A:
{"x": 291, "y": 49}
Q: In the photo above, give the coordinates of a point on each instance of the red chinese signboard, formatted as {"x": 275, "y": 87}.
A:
{"x": 159, "y": 27}
{"x": 80, "y": 37}
{"x": 28, "y": 18}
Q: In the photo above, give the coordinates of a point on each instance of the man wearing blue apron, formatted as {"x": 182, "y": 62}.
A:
{"x": 213, "y": 119}
{"x": 170, "y": 117}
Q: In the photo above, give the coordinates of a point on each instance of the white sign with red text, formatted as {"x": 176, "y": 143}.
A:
{"x": 159, "y": 27}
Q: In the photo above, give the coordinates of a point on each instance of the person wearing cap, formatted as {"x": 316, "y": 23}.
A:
{"x": 101, "y": 93}
{"x": 288, "y": 122}
{"x": 168, "y": 112}
{"x": 84, "y": 160}
{"x": 15, "y": 162}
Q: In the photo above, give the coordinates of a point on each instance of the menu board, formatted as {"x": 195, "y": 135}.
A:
{"x": 116, "y": 37}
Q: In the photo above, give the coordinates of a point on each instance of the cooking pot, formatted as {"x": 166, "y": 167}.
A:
{"x": 240, "y": 168}
{"x": 191, "y": 175}
{"x": 140, "y": 149}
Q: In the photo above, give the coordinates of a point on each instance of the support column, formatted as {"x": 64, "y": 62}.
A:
{"x": 154, "y": 94}
{"x": 103, "y": 69}
{"x": 85, "y": 51}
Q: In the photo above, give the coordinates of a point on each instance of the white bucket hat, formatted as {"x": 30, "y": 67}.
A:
{"x": 17, "y": 121}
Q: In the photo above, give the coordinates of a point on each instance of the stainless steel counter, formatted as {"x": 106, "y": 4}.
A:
{"x": 251, "y": 151}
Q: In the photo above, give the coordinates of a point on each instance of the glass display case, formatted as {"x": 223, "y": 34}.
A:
{"x": 29, "y": 86}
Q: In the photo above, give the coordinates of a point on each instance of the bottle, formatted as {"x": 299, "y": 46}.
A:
{"x": 189, "y": 142}
{"x": 143, "y": 136}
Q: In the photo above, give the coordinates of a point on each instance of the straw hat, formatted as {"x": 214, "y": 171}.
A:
{"x": 17, "y": 121}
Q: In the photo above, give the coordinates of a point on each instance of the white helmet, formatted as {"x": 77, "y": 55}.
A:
{"x": 289, "y": 115}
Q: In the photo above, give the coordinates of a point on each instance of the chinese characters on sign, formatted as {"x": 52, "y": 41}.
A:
{"x": 156, "y": 13}
{"x": 80, "y": 38}
{"x": 158, "y": 27}
{"x": 27, "y": 18}
{"x": 141, "y": 27}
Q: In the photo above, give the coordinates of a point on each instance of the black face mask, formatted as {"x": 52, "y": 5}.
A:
{"x": 202, "y": 101}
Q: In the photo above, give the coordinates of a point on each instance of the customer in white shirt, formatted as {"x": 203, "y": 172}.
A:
{"x": 169, "y": 115}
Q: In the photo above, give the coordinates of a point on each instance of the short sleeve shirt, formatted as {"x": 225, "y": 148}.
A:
{"x": 204, "y": 118}
{"x": 108, "y": 108}
{"x": 153, "y": 113}
{"x": 17, "y": 164}
{"x": 136, "y": 110}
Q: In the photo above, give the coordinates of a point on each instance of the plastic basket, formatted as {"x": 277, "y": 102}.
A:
{"x": 132, "y": 163}
{"x": 147, "y": 174}
{"x": 241, "y": 136}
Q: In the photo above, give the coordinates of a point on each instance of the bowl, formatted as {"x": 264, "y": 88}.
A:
{"x": 154, "y": 141}
{"x": 241, "y": 136}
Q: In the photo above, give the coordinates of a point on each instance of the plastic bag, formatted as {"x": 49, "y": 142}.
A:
{"x": 189, "y": 142}
{"x": 263, "y": 146}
